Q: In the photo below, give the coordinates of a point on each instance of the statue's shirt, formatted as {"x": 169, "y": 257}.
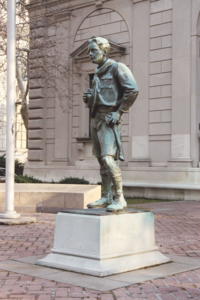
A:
{"x": 113, "y": 87}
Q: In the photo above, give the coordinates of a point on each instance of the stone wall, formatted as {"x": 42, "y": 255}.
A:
{"x": 160, "y": 134}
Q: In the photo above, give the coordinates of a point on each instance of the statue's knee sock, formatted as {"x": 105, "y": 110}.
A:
{"x": 117, "y": 180}
{"x": 106, "y": 182}
{"x": 114, "y": 172}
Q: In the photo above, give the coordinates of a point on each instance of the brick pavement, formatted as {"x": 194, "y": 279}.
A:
{"x": 177, "y": 232}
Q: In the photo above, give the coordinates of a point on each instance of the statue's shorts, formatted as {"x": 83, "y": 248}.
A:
{"x": 103, "y": 137}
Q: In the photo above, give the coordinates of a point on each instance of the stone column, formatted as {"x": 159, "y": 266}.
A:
{"x": 139, "y": 112}
{"x": 181, "y": 84}
{"x": 195, "y": 79}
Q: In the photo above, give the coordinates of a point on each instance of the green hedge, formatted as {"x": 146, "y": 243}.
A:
{"x": 26, "y": 179}
{"x": 65, "y": 180}
{"x": 73, "y": 180}
{"x": 2, "y": 161}
{"x": 19, "y": 166}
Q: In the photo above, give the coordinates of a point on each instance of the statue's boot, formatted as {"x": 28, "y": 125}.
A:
{"x": 106, "y": 198}
{"x": 119, "y": 203}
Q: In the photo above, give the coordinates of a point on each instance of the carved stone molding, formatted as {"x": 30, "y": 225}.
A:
{"x": 99, "y": 3}
{"x": 81, "y": 146}
{"x": 63, "y": 15}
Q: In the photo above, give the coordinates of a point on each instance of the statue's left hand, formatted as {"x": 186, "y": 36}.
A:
{"x": 115, "y": 118}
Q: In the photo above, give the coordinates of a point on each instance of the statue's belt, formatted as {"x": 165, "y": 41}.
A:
{"x": 105, "y": 116}
{"x": 102, "y": 115}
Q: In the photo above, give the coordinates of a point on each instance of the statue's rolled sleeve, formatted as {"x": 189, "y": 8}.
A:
{"x": 129, "y": 87}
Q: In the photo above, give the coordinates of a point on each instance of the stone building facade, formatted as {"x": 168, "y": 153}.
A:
{"x": 159, "y": 40}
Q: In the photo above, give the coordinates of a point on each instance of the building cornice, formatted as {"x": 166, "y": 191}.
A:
{"x": 72, "y": 4}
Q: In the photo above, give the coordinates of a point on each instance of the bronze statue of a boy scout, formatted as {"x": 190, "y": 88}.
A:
{"x": 113, "y": 92}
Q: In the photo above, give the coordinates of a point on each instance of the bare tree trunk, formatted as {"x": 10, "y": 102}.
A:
{"x": 24, "y": 92}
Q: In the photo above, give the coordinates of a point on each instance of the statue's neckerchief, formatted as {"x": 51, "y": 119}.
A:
{"x": 107, "y": 63}
{"x": 96, "y": 81}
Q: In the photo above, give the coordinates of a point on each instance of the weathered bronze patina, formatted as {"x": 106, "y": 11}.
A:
{"x": 113, "y": 92}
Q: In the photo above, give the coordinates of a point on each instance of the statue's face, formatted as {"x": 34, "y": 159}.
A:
{"x": 96, "y": 54}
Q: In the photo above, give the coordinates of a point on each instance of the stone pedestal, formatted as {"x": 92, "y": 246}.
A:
{"x": 95, "y": 242}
